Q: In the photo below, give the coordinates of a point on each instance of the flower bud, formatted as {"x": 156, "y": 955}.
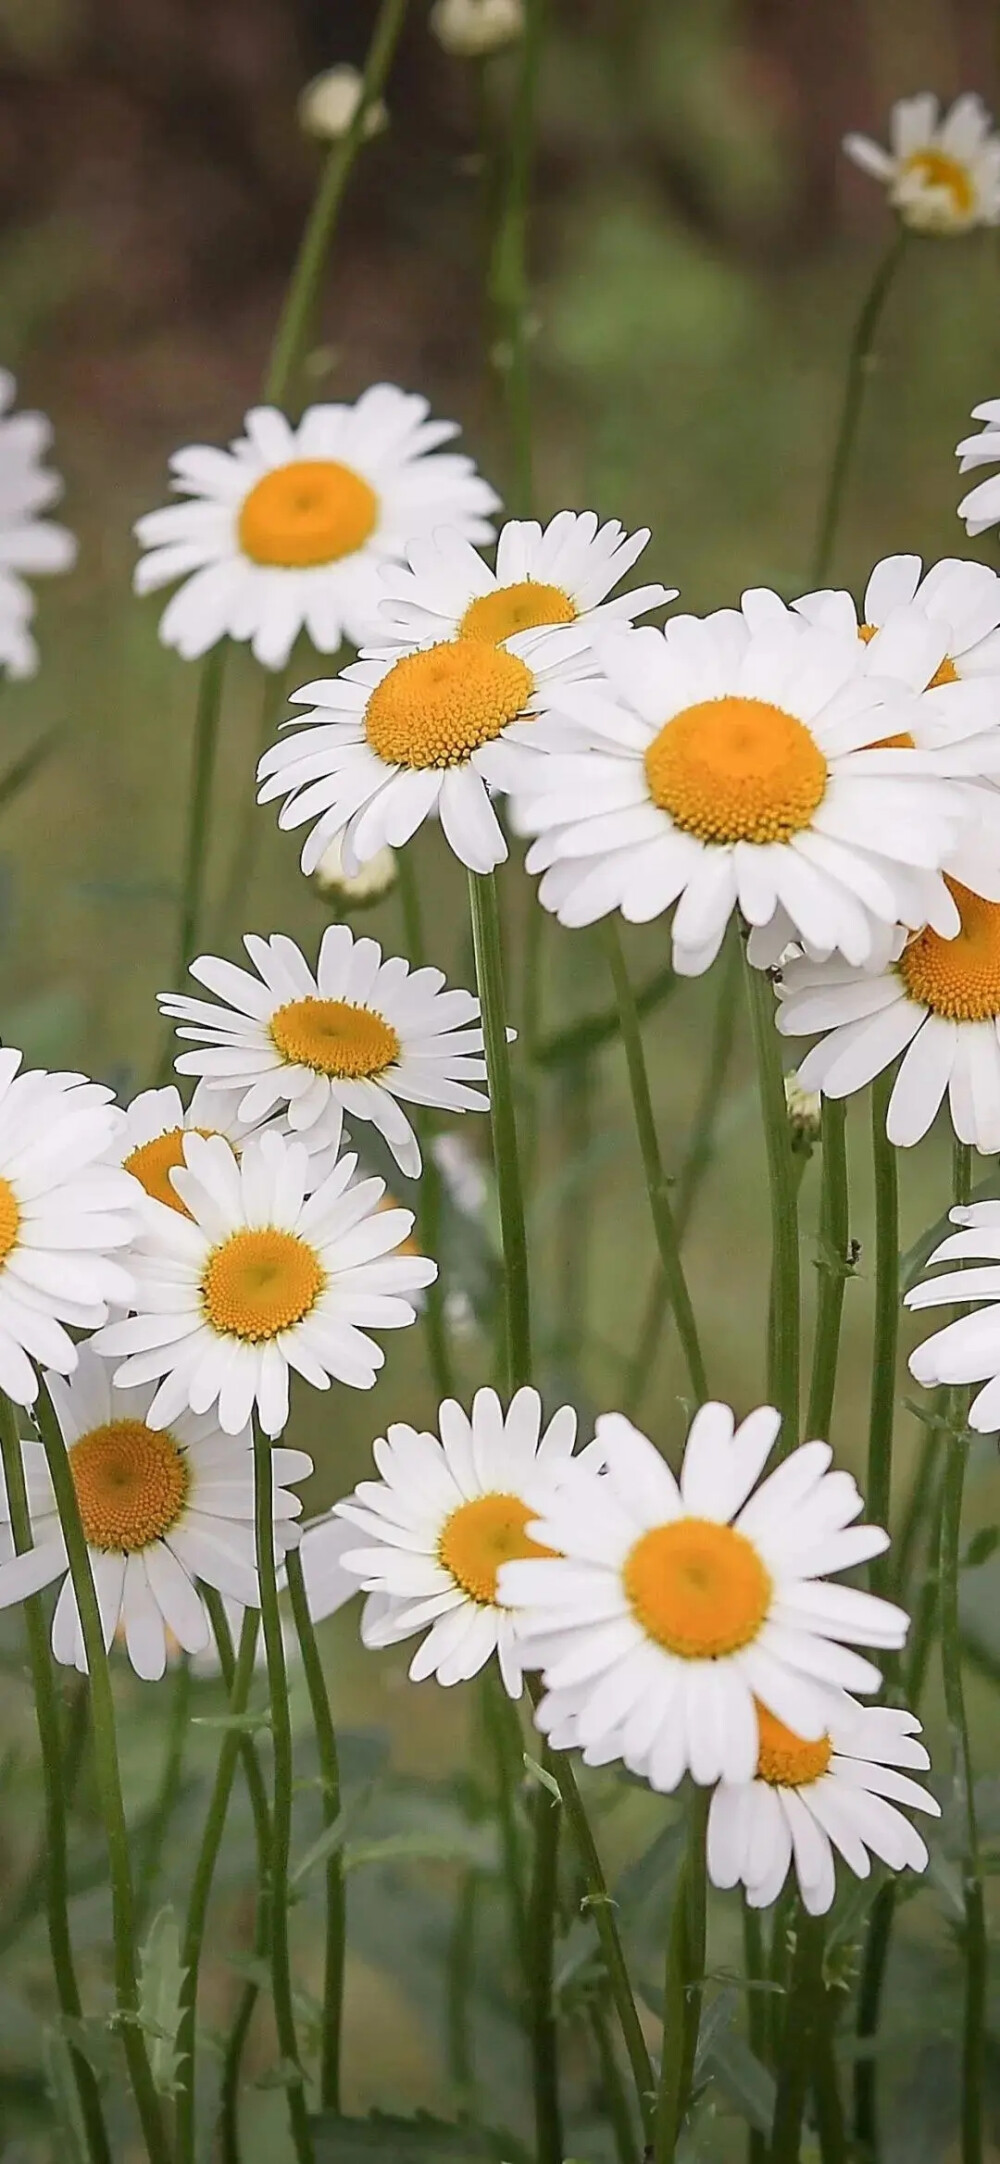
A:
{"x": 356, "y": 890}
{"x": 329, "y": 102}
{"x": 804, "y": 1109}
{"x": 472, "y": 29}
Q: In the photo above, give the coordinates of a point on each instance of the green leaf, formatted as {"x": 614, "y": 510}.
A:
{"x": 568, "y": 1045}
{"x": 423, "y": 2140}
{"x": 244, "y": 1724}
{"x": 473, "y": 1845}
{"x": 333, "y": 1836}
{"x": 738, "y": 2071}
{"x": 24, "y": 769}
{"x": 652, "y": 1875}
{"x": 982, "y": 1545}
{"x": 161, "y": 1981}
{"x": 542, "y": 1775}
{"x": 286, "y": 2075}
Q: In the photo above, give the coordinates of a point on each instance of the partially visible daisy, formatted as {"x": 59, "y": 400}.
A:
{"x": 981, "y": 507}
{"x": 443, "y": 1519}
{"x": 958, "y": 601}
{"x": 942, "y": 176}
{"x": 258, "y": 1279}
{"x": 322, "y": 1548}
{"x": 967, "y": 1350}
{"x": 355, "y": 890}
{"x": 161, "y": 1508}
{"x": 562, "y": 573}
{"x": 391, "y": 741}
{"x": 668, "y": 1612}
{"x": 356, "y": 1037}
{"x": 809, "y": 1799}
{"x": 472, "y": 29}
{"x": 287, "y": 530}
{"x": 28, "y": 544}
{"x": 153, "y": 1127}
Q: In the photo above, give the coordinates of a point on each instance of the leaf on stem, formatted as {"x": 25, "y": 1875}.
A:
{"x": 161, "y": 1979}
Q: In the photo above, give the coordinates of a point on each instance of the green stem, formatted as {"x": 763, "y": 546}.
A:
{"x": 508, "y": 274}
{"x": 803, "y": 2017}
{"x": 542, "y": 1900}
{"x": 657, "y": 1183}
{"x": 203, "y": 746}
{"x": 886, "y": 1324}
{"x": 834, "y": 1233}
{"x": 754, "y": 1969}
{"x": 229, "y": 2142}
{"x": 489, "y": 981}
{"x": 918, "y": 1503}
{"x": 178, "y": 1715}
{"x": 56, "y": 1876}
{"x": 683, "y": 1986}
{"x": 858, "y": 368}
{"x": 615, "y": 2098}
{"x": 329, "y": 1768}
{"x": 30, "y": 1895}
{"x": 827, "y": 2100}
{"x": 575, "y": 1121}
{"x": 105, "y": 1747}
{"x": 504, "y": 1737}
{"x": 438, "y": 1347}
{"x": 249, "y": 826}
{"x": 783, "y": 1365}
{"x": 461, "y": 1968}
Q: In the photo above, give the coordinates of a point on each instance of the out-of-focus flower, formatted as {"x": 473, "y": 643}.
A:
{"x": 967, "y": 1350}
{"x": 472, "y": 29}
{"x": 28, "y": 544}
{"x": 329, "y": 102}
{"x": 561, "y": 573}
{"x": 942, "y": 176}
{"x": 804, "y": 1107}
{"x": 355, "y": 889}
{"x": 462, "y": 1173}
{"x": 981, "y": 507}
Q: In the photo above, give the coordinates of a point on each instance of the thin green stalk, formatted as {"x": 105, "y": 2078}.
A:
{"x": 834, "y": 1231}
{"x": 683, "y": 1985}
{"x": 615, "y": 2098}
{"x": 438, "y": 1347}
{"x": 178, "y": 1714}
{"x": 783, "y": 1364}
{"x": 544, "y": 2030}
{"x": 804, "y": 2015}
{"x": 329, "y": 1768}
{"x": 858, "y": 368}
{"x": 105, "y": 1748}
{"x": 657, "y": 1183}
{"x": 754, "y": 1969}
{"x": 918, "y": 1503}
{"x": 30, "y": 1896}
{"x": 55, "y": 1866}
{"x": 503, "y": 1734}
{"x": 229, "y": 2142}
{"x": 508, "y": 274}
{"x": 575, "y": 1120}
{"x": 490, "y": 985}
{"x": 532, "y": 951}
{"x": 248, "y": 823}
{"x": 203, "y": 746}
{"x": 461, "y": 1968}
{"x": 886, "y": 1327}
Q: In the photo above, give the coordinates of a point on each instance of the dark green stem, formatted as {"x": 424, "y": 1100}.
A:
{"x": 834, "y": 1233}
{"x": 329, "y": 1770}
{"x": 616, "y": 2102}
{"x": 229, "y": 2141}
{"x": 754, "y": 1969}
{"x": 886, "y": 1324}
{"x": 804, "y": 2015}
{"x": 168, "y": 1792}
{"x": 683, "y": 1986}
{"x": 429, "y": 1223}
{"x": 783, "y": 1363}
{"x": 503, "y": 1731}
{"x": 489, "y": 980}
{"x": 858, "y": 366}
{"x": 543, "y": 2025}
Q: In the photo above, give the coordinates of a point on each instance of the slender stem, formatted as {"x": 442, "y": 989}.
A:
{"x": 683, "y": 1986}
{"x": 657, "y": 1184}
{"x": 508, "y": 274}
{"x": 783, "y": 1376}
{"x": 804, "y": 2014}
{"x": 249, "y": 826}
{"x": 489, "y": 980}
{"x": 531, "y": 1030}
{"x": 834, "y": 1231}
{"x": 504, "y": 1737}
{"x": 918, "y": 1503}
{"x": 754, "y": 1969}
{"x": 461, "y": 1952}
{"x": 616, "y": 2101}
{"x": 886, "y": 1327}
{"x": 329, "y": 1768}
{"x": 168, "y": 1791}
{"x": 438, "y": 1347}
{"x": 56, "y": 1877}
{"x": 203, "y": 745}
{"x": 827, "y": 2101}
{"x": 229, "y": 2096}
{"x": 542, "y": 1899}
{"x": 575, "y": 1120}
{"x": 105, "y": 1747}
{"x": 30, "y": 1895}
{"x": 858, "y": 368}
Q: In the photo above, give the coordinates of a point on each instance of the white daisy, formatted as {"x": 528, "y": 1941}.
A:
{"x": 937, "y": 1000}
{"x": 968, "y": 1350}
{"x": 558, "y": 574}
{"x": 28, "y": 544}
{"x": 321, "y": 1550}
{"x": 444, "y": 1518}
{"x": 356, "y": 1037}
{"x": 958, "y": 602}
{"x": 734, "y": 762}
{"x": 667, "y": 1611}
{"x": 355, "y": 891}
{"x": 287, "y": 530}
{"x": 161, "y": 1508}
{"x": 981, "y": 507}
{"x": 942, "y": 176}
{"x": 256, "y": 1280}
{"x": 473, "y": 29}
{"x": 808, "y": 1799}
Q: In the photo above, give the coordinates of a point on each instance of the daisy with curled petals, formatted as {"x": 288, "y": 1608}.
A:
{"x": 28, "y": 544}
{"x": 256, "y": 1279}
{"x": 727, "y": 763}
{"x": 942, "y": 176}
{"x": 442, "y": 1520}
{"x": 561, "y": 573}
{"x": 981, "y": 507}
{"x": 393, "y": 739}
{"x": 808, "y": 1799}
{"x": 968, "y": 1350}
{"x": 356, "y": 1037}
{"x": 288, "y": 529}
{"x": 668, "y": 1611}
{"x": 161, "y": 1509}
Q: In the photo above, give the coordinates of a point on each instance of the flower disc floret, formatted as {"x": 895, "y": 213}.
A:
{"x": 784, "y": 1759}
{"x": 131, "y": 1484}
{"x": 479, "y": 1536}
{"x": 312, "y": 511}
{"x": 958, "y": 978}
{"x": 525, "y": 606}
{"x": 334, "y": 1037}
{"x": 151, "y": 1163}
{"x": 260, "y": 1283}
{"x": 698, "y": 1588}
{"x": 736, "y": 769}
{"x": 10, "y": 1219}
{"x": 435, "y": 708}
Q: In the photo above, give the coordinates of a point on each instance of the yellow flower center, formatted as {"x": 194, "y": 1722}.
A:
{"x": 259, "y": 1283}
{"x": 153, "y": 1162}
{"x": 736, "y": 770}
{"x": 438, "y": 707}
{"x": 481, "y": 1535}
{"x": 698, "y": 1588}
{"x": 333, "y": 1037}
{"x": 935, "y": 169}
{"x": 945, "y": 674}
{"x": 10, "y": 1220}
{"x": 131, "y": 1484}
{"x": 960, "y": 977}
{"x": 312, "y": 511}
{"x": 783, "y": 1758}
{"x": 508, "y": 609}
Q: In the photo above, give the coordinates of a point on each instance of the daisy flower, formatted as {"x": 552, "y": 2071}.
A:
{"x": 968, "y": 1350}
{"x": 730, "y": 762}
{"x": 442, "y": 1520}
{"x": 161, "y": 1508}
{"x": 808, "y": 1799}
{"x": 356, "y": 1037}
{"x": 392, "y": 739}
{"x": 957, "y": 603}
{"x": 27, "y": 543}
{"x": 287, "y": 530}
{"x": 561, "y": 573}
{"x": 981, "y": 507}
{"x": 668, "y": 1611}
{"x": 375, "y": 879}
{"x": 256, "y": 1279}
{"x": 942, "y": 176}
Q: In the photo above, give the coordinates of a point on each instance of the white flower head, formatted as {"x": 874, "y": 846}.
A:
{"x": 328, "y": 1585}
{"x": 967, "y": 1350}
{"x": 28, "y": 544}
{"x": 807, "y": 1800}
{"x": 259, "y": 1278}
{"x": 441, "y": 1522}
{"x": 328, "y": 104}
{"x": 980, "y": 509}
{"x": 153, "y": 1125}
{"x": 356, "y": 890}
{"x": 288, "y": 529}
{"x": 472, "y": 29}
{"x": 161, "y": 1508}
{"x": 942, "y": 175}
{"x": 668, "y": 1611}
{"x": 356, "y": 1037}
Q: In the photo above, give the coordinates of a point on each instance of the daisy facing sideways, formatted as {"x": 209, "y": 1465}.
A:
{"x": 667, "y": 1612}
{"x": 287, "y": 530}
{"x": 28, "y": 544}
{"x": 562, "y": 573}
{"x": 162, "y": 1508}
{"x": 153, "y": 1127}
{"x": 942, "y": 176}
{"x": 258, "y": 1279}
{"x": 981, "y": 507}
{"x": 355, "y": 1037}
{"x": 967, "y": 1350}
{"x": 809, "y": 1799}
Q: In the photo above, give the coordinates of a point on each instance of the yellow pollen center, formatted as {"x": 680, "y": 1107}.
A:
{"x": 153, "y": 1162}
{"x": 698, "y": 1588}
{"x": 333, "y": 1037}
{"x": 784, "y": 1759}
{"x": 312, "y": 511}
{"x": 131, "y": 1484}
{"x": 437, "y": 707}
{"x": 508, "y": 609}
{"x": 945, "y": 674}
{"x": 258, "y": 1284}
{"x": 960, "y": 977}
{"x": 481, "y": 1535}
{"x": 935, "y": 169}
{"x": 10, "y": 1220}
{"x": 736, "y": 770}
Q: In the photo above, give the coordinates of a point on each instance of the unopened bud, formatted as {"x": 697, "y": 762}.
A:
{"x": 328, "y": 104}
{"x": 804, "y": 1114}
{"x": 472, "y": 29}
{"x": 356, "y": 890}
